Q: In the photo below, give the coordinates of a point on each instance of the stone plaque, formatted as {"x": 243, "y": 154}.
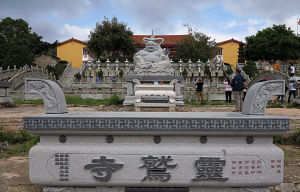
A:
{"x": 108, "y": 166}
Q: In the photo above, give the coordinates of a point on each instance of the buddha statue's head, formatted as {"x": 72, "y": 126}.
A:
{"x": 151, "y": 46}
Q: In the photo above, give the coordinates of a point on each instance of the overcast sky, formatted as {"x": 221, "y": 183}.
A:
{"x": 219, "y": 19}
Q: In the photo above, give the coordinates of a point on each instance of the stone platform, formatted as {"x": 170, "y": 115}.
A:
{"x": 156, "y": 151}
{"x": 121, "y": 149}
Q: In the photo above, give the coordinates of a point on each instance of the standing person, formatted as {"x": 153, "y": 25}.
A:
{"x": 292, "y": 90}
{"x": 281, "y": 97}
{"x": 228, "y": 90}
{"x": 291, "y": 70}
{"x": 199, "y": 89}
{"x": 276, "y": 66}
{"x": 237, "y": 85}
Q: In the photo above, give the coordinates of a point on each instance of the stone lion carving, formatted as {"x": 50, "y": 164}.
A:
{"x": 152, "y": 60}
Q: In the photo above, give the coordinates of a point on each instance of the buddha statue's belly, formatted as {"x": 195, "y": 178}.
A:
{"x": 151, "y": 58}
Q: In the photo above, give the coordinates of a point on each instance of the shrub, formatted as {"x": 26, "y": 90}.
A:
{"x": 250, "y": 69}
{"x": 100, "y": 74}
{"x": 77, "y": 76}
{"x": 184, "y": 73}
{"x": 115, "y": 100}
{"x": 229, "y": 71}
{"x": 207, "y": 71}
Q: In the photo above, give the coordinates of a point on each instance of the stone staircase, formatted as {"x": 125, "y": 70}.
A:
{"x": 68, "y": 76}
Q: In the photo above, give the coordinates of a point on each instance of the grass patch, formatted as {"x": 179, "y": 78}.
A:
{"x": 36, "y": 102}
{"x": 288, "y": 154}
{"x": 21, "y": 148}
{"x": 291, "y": 139}
{"x": 16, "y": 142}
{"x": 275, "y": 105}
{"x": 73, "y": 100}
{"x": 293, "y": 105}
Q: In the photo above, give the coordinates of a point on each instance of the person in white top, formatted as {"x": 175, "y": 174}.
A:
{"x": 228, "y": 90}
{"x": 291, "y": 70}
{"x": 292, "y": 90}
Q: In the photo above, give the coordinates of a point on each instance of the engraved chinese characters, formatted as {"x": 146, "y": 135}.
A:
{"x": 210, "y": 168}
{"x": 160, "y": 168}
{"x": 157, "y": 168}
{"x": 103, "y": 168}
{"x": 62, "y": 161}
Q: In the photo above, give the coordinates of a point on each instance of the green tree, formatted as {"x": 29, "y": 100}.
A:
{"x": 100, "y": 74}
{"x": 250, "y": 69}
{"x": 196, "y": 46}
{"x": 184, "y": 73}
{"x": 111, "y": 37}
{"x": 18, "y": 45}
{"x": 271, "y": 44}
{"x": 58, "y": 69}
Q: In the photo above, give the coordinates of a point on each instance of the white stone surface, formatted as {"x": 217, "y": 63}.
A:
{"x": 43, "y": 170}
{"x": 152, "y": 60}
{"x": 155, "y": 90}
{"x": 91, "y": 96}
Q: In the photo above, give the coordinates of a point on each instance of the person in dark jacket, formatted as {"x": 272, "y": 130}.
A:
{"x": 199, "y": 85}
{"x": 237, "y": 85}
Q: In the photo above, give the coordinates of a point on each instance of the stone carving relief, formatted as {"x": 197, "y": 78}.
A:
{"x": 53, "y": 97}
{"x": 58, "y": 189}
{"x": 230, "y": 190}
{"x": 173, "y": 82}
{"x": 264, "y": 93}
{"x": 43, "y": 88}
{"x": 152, "y": 60}
{"x": 258, "y": 95}
{"x": 136, "y": 81}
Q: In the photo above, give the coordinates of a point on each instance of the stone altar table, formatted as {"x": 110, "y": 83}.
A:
{"x": 147, "y": 151}
{"x": 131, "y": 87}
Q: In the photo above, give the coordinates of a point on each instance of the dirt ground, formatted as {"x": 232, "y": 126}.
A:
{"x": 14, "y": 169}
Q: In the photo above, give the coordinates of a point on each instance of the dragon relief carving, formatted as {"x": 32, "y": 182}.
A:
{"x": 53, "y": 96}
{"x": 48, "y": 94}
{"x": 264, "y": 93}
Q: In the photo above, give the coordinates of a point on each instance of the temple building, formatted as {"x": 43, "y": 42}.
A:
{"x": 71, "y": 50}
{"x": 230, "y": 49}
